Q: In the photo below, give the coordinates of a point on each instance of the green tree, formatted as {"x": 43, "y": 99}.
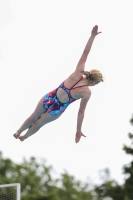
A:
{"x": 128, "y": 169}
{"x": 37, "y": 183}
{"x": 33, "y": 176}
{"x": 110, "y": 188}
{"x": 73, "y": 189}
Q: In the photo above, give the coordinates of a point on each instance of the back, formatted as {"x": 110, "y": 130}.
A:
{"x": 77, "y": 91}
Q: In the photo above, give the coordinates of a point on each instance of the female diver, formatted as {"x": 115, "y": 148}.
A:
{"x": 53, "y": 104}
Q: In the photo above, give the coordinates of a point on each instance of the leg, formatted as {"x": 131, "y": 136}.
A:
{"x": 32, "y": 119}
{"x": 44, "y": 119}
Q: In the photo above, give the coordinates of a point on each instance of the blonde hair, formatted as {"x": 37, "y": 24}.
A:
{"x": 94, "y": 75}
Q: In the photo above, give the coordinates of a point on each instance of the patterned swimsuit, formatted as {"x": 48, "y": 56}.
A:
{"x": 53, "y": 104}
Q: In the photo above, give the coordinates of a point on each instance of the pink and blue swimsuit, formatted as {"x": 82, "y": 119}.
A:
{"x": 53, "y": 104}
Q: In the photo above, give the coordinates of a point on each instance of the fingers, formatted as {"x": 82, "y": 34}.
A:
{"x": 95, "y": 30}
{"x": 95, "y": 27}
{"x": 83, "y": 135}
{"x": 77, "y": 138}
{"x": 76, "y": 141}
{"x": 99, "y": 33}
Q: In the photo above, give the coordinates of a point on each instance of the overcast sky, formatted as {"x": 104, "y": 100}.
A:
{"x": 40, "y": 44}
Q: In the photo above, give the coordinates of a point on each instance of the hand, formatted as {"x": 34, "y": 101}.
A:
{"x": 78, "y": 136}
{"x": 94, "y": 31}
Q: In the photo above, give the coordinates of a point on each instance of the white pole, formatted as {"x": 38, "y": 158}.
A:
{"x": 18, "y": 191}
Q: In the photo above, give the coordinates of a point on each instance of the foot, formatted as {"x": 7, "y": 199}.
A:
{"x": 16, "y": 135}
{"x": 21, "y": 138}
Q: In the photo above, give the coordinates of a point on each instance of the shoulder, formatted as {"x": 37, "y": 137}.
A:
{"x": 86, "y": 93}
{"x": 76, "y": 75}
{"x": 73, "y": 78}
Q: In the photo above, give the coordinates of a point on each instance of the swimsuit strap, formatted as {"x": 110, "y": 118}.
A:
{"x": 79, "y": 87}
{"x": 68, "y": 90}
{"x": 76, "y": 83}
{"x": 72, "y": 88}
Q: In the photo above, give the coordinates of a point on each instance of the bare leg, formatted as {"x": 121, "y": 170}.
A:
{"x": 44, "y": 119}
{"x": 32, "y": 119}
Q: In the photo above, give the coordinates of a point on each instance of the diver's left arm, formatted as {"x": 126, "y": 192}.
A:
{"x": 80, "y": 118}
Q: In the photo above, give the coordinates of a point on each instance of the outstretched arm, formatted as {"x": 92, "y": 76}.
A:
{"x": 80, "y": 118}
{"x": 81, "y": 64}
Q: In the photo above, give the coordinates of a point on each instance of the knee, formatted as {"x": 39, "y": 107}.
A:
{"x": 33, "y": 118}
{"x": 37, "y": 125}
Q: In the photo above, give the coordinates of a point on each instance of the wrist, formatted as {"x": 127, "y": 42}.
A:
{"x": 93, "y": 36}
